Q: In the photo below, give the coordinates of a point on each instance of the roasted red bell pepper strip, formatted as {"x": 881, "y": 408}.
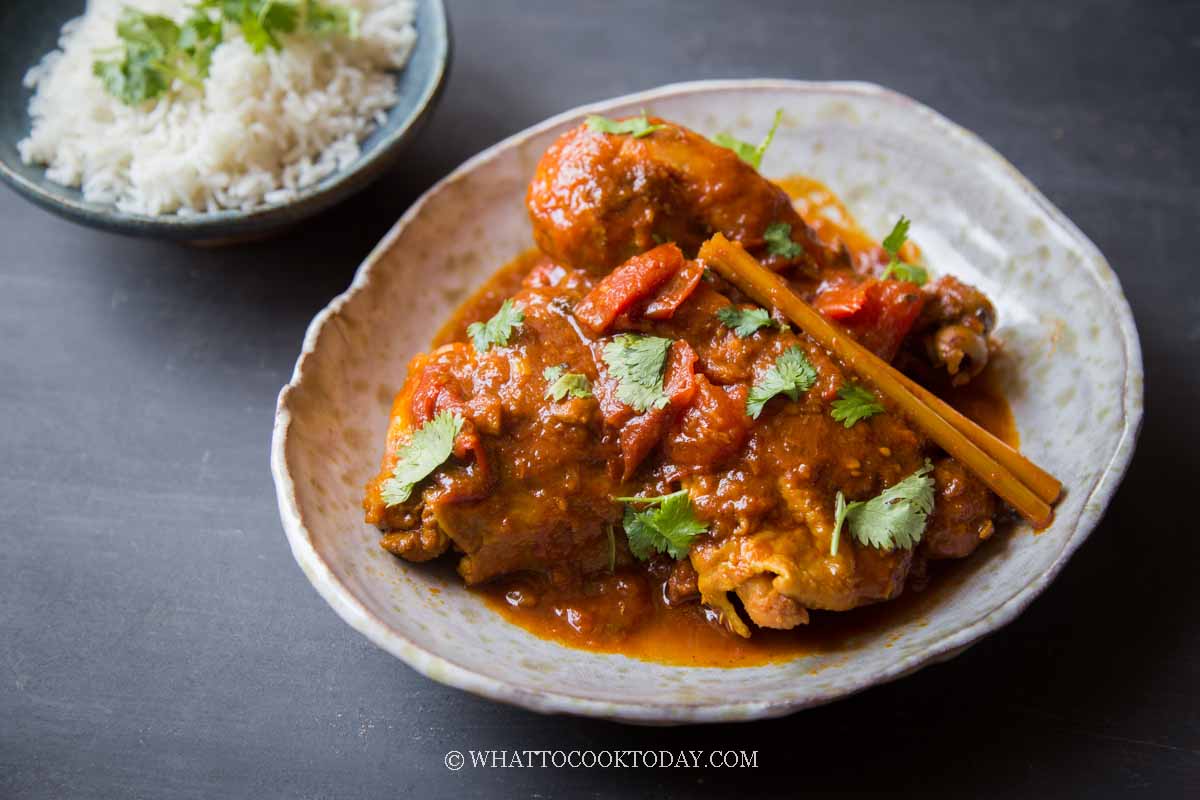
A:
{"x": 879, "y": 314}
{"x": 637, "y": 279}
{"x": 678, "y": 289}
{"x": 841, "y": 302}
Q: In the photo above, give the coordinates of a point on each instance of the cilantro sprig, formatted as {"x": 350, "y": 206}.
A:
{"x": 430, "y": 445}
{"x": 156, "y": 51}
{"x": 750, "y": 153}
{"x": 668, "y": 526}
{"x": 198, "y": 38}
{"x": 638, "y": 363}
{"x": 263, "y": 21}
{"x": 791, "y": 374}
{"x": 913, "y": 273}
{"x": 895, "y": 518}
{"x": 497, "y": 330}
{"x": 637, "y": 127}
{"x": 778, "y": 236}
{"x": 854, "y": 403}
{"x": 324, "y": 19}
{"x": 561, "y": 383}
{"x": 745, "y": 321}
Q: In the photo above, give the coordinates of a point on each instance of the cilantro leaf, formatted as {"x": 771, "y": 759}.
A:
{"x": 839, "y": 519}
{"x": 668, "y": 526}
{"x": 743, "y": 150}
{"x": 751, "y": 154}
{"x": 115, "y": 77}
{"x": 778, "y": 236}
{"x": 853, "y": 404}
{"x": 893, "y": 519}
{"x": 913, "y": 273}
{"x": 134, "y": 79}
{"x": 640, "y": 533}
{"x": 745, "y": 321}
{"x": 152, "y": 31}
{"x": 638, "y": 363}
{"x": 198, "y": 37}
{"x": 325, "y": 20}
{"x": 897, "y": 237}
{"x": 791, "y": 374}
{"x": 430, "y": 445}
{"x": 262, "y": 21}
{"x": 563, "y": 383}
{"x": 498, "y": 329}
{"x": 149, "y": 42}
{"x": 636, "y": 126}
{"x": 156, "y": 51}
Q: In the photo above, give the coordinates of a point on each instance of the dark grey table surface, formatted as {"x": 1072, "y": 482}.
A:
{"x": 157, "y": 640}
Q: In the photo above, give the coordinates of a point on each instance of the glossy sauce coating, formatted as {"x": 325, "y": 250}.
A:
{"x": 629, "y": 611}
{"x": 528, "y": 497}
{"x": 689, "y": 635}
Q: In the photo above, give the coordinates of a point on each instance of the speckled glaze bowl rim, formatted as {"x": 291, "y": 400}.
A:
{"x": 235, "y": 224}
{"x": 446, "y": 671}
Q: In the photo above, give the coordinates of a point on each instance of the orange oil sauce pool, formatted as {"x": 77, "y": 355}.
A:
{"x": 684, "y": 635}
{"x": 505, "y": 282}
{"x": 831, "y": 221}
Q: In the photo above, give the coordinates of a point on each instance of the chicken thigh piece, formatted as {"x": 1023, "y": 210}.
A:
{"x": 598, "y": 198}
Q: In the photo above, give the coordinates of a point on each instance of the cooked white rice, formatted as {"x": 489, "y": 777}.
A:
{"x": 265, "y": 126}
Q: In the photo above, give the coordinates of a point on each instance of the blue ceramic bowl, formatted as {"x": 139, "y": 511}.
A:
{"x": 39, "y": 22}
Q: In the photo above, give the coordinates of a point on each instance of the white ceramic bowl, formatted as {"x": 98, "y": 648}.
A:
{"x": 1075, "y": 389}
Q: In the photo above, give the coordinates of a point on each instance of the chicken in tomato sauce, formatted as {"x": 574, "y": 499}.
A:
{"x": 613, "y": 429}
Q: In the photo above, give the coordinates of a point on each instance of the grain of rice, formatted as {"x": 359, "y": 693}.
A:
{"x": 264, "y": 127}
